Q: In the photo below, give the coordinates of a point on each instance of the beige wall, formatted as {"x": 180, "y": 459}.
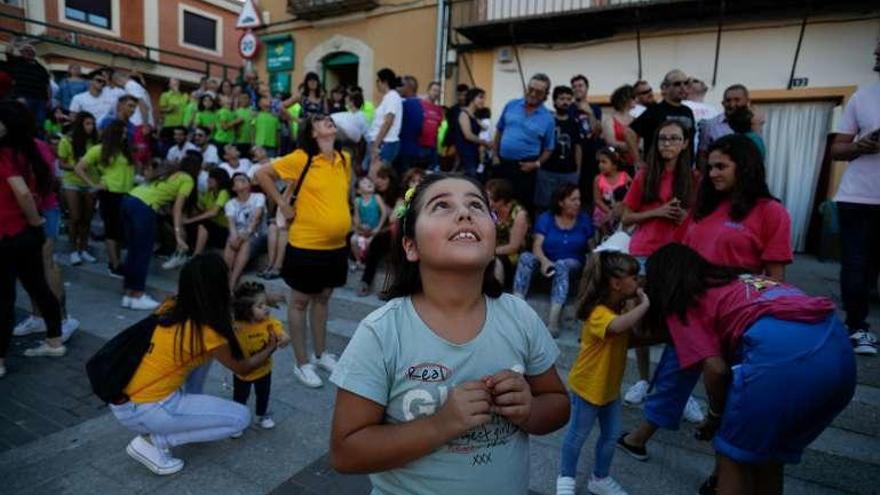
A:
{"x": 402, "y": 39}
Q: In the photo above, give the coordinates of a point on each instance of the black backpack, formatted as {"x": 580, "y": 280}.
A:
{"x": 112, "y": 367}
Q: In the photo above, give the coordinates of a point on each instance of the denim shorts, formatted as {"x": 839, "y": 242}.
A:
{"x": 53, "y": 222}
{"x": 792, "y": 380}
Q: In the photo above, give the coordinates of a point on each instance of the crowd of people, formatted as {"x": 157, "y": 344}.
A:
{"x": 654, "y": 219}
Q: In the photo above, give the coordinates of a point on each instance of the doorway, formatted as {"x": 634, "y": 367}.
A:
{"x": 340, "y": 68}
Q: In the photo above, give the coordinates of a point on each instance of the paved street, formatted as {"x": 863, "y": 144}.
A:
{"x": 55, "y": 437}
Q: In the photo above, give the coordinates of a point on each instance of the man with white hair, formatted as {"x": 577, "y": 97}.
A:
{"x": 674, "y": 87}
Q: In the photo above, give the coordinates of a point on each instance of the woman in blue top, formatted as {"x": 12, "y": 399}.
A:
{"x": 561, "y": 242}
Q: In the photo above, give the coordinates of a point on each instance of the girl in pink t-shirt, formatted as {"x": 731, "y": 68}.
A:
{"x": 770, "y": 395}
{"x": 609, "y": 189}
{"x": 657, "y": 204}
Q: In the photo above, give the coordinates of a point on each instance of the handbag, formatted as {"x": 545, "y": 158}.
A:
{"x": 112, "y": 367}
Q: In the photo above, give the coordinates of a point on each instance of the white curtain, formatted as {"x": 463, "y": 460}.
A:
{"x": 795, "y": 135}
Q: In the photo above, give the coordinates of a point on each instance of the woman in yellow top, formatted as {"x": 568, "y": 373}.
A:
{"x": 159, "y": 404}
{"x": 112, "y": 159}
{"x": 610, "y": 280}
{"x": 80, "y": 198}
{"x": 170, "y": 186}
{"x": 316, "y": 258}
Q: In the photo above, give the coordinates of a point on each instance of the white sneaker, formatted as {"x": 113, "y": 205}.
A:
{"x": 68, "y": 326}
{"x": 45, "y": 350}
{"x": 692, "y": 411}
{"x": 565, "y": 485}
{"x": 87, "y": 256}
{"x": 237, "y": 434}
{"x": 327, "y": 362}
{"x": 155, "y": 459}
{"x": 636, "y": 394}
{"x": 143, "y": 303}
{"x": 177, "y": 259}
{"x": 266, "y": 422}
{"x": 75, "y": 259}
{"x": 307, "y": 376}
{"x": 604, "y": 486}
{"x": 2, "y": 371}
{"x": 864, "y": 343}
{"x": 31, "y": 324}
{"x": 126, "y": 302}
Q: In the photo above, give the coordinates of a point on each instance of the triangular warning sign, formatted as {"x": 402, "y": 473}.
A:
{"x": 249, "y": 18}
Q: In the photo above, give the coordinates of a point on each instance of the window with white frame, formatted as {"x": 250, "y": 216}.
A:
{"x": 98, "y": 13}
{"x": 200, "y": 31}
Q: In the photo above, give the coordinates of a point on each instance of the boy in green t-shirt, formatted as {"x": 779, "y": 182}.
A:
{"x": 189, "y": 111}
{"x": 224, "y": 131}
{"x": 207, "y": 114}
{"x": 266, "y": 128}
{"x": 243, "y": 123}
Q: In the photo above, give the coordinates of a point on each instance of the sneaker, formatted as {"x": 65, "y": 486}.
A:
{"x": 75, "y": 259}
{"x": 155, "y": 459}
{"x": 87, "y": 257}
{"x": 864, "y": 343}
{"x": 115, "y": 272}
{"x": 68, "y": 326}
{"x": 637, "y": 453}
{"x": 565, "y": 485}
{"x": 709, "y": 487}
{"x": 237, "y": 434}
{"x": 604, "y": 486}
{"x": 266, "y": 422}
{"x": 177, "y": 259}
{"x": 327, "y": 362}
{"x": 126, "y": 302}
{"x": 692, "y": 411}
{"x": 2, "y": 371}
{"x": 31, "y": 324}
{"x": 307, "y": 376}
{"x": 636, "y": 394}
{"x": 143, "y": 303}
{"x": 45, "y": 350}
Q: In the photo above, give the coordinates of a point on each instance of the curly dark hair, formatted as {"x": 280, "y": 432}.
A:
{"x": 79, "y": 138}
{"x": 621, "y": 96}
{"x": 404, "y": 278}
{"x": 683, "y": 183}
{"x": 751, "y": 182}
{"x": 244, "y": 298}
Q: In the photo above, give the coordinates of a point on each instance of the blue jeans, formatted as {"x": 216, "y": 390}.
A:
{"x": 527, "y": 265}
{"x": 670, "y": 390}
{"x": 860, "y": 259}
{"x": 184, "y": 418}
{"x": 140, "y": 232}
{"x": 583, "y": 415}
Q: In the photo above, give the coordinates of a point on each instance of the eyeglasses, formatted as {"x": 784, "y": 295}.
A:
{"x": 536, "y": 91}
{"x": 669, "y": 139}
{"x": 644, "y": 92}
{"x": 678, "y": 84}
{"x": 100, "y": 81}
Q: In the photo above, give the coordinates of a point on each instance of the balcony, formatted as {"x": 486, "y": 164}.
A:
{"x": 486, "y": 23}
{"x": 312, "y": 10}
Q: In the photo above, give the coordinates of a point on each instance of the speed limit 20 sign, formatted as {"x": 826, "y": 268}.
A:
{"x": 248, "y": 45}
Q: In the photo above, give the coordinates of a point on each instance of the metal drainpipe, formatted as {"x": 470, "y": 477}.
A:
{"x": 440, "y": 49}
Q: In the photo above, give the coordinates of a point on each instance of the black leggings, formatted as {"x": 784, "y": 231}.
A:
{"x": 380, "y": 247}
{"x": 241, "y": 390}
{"x": 21, "y": 257}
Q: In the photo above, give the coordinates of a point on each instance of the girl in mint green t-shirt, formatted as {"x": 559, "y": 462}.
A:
{"x": 439, "y": 390}
{"x": 207, "y": 115}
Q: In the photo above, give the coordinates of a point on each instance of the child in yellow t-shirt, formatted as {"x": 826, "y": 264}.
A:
{"x": 253, "y": 323}
{"x": 610, "y": 280}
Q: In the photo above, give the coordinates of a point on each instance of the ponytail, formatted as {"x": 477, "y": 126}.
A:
{"x": 595, "y": 285}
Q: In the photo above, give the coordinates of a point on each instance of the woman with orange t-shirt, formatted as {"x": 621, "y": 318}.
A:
{"x": 194, "y": 328}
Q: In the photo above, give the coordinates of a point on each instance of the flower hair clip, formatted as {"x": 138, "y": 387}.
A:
{"x": 403, "y": 209}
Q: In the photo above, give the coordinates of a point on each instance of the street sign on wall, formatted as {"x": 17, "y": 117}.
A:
{"x": 279, "y": 54}
{"x": 248, "y": 45}
{"x": 249, "y": 18}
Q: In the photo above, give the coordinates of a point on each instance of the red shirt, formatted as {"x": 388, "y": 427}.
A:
{"x": 721, "y": 316}
{"x": 654, "y": 233}
{"x": 433, "y": 116}
{"x": 12, "y": 219}
{"x": 50, "y": 200}
{"x": 763, "y": 236}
